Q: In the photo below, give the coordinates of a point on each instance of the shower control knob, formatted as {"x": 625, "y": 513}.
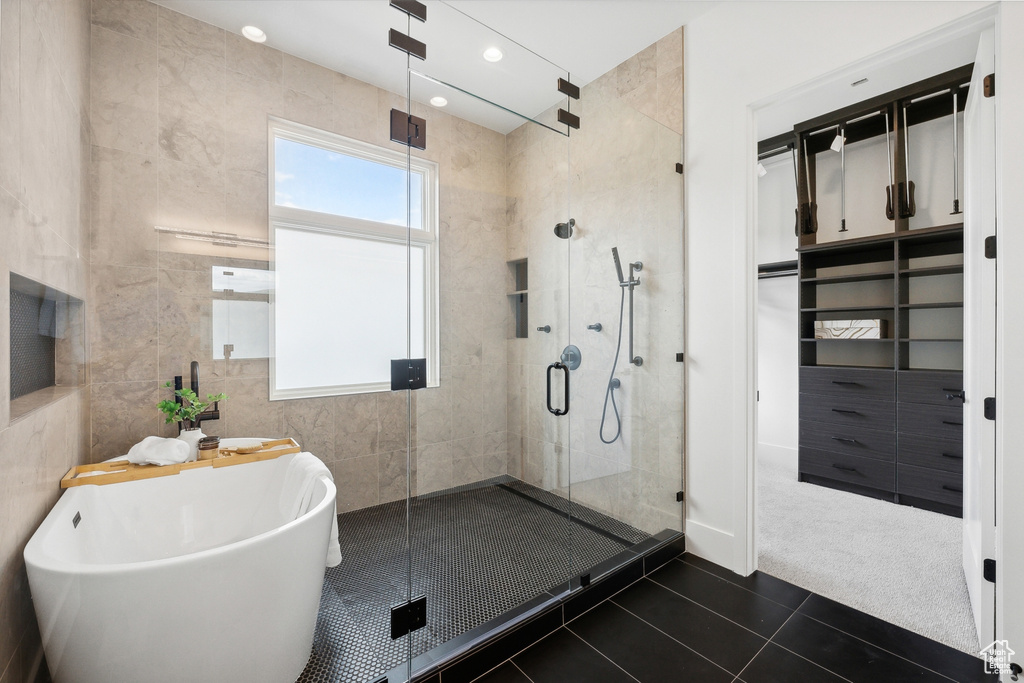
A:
{"x": 545, "y": 328}
{"x": 596, "y": 327}
{"x": 571, "y": 356}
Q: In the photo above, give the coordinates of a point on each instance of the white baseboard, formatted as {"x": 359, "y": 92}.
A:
{"x": 784, "y": 457}
{"x": 713, "y": 545}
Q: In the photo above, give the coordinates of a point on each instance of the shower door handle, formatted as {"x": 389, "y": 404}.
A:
{"x": 565, "y": 368}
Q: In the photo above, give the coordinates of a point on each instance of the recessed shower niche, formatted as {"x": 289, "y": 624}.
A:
{"x": 47, "y": 345}
{"x": 518, "y": 299}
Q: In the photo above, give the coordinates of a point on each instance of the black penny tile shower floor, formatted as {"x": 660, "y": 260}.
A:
{"x": 477, "y": 552}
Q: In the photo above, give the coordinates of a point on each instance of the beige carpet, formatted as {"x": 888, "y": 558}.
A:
{"x": 895, "y": 562}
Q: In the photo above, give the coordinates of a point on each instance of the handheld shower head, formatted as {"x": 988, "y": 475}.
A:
{"x": 618, "y": 264}
{"x": 564, "y": 230}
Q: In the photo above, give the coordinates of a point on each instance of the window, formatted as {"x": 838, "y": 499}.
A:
{"x": 346, "y": 265}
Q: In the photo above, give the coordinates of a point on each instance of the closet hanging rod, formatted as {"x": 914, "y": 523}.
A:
{"x": 865, "y": 117}
{"x": 773, "y": 152}
{"x": 826, "y": 129}
{"x": 780, "y": 273}
{"x": 928, "y": 97}
{"x": 776, "y": 269}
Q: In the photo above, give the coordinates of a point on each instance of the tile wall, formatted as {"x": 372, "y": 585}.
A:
{"x": 180, "y": 139}
{"x": 119, "y": 115}
{"x": 44, "y": 153}
{"x": 623, "y": 191}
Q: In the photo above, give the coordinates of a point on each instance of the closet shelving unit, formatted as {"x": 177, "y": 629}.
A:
{"x": 883, "y": 417}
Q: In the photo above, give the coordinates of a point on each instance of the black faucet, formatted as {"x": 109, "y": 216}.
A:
{"x": 194, "y": 385}
{"x": 209, "y": 414}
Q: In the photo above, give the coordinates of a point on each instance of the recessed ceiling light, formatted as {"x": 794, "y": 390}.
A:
{"x": 860, "y": 82}
{"x": 493, "y": 54}
{"x": 254, "y": 34}
{"x": 438, "y": 101}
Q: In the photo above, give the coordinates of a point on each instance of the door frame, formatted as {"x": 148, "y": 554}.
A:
{"x": 975, "y": 22}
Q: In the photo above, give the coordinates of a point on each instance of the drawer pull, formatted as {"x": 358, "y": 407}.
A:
{"x": 845, "y": 440}
{"x": 955, "y": 393}
{"x": 953, "y": 455}
{"x": 849, "y": 384}
{"x": 844, "y": 468}
{"x": 953, "y": 424}
{"x": 954, "y": 489}
{"x": 847, "y": 412}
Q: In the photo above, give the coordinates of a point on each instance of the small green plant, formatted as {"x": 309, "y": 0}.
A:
{"x": 188, "y": 411}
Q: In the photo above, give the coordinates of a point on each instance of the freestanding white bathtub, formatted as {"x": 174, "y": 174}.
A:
{"x": 200, "y": 576}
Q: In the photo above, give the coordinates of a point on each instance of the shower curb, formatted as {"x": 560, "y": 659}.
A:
{"x": 479, "y": 650}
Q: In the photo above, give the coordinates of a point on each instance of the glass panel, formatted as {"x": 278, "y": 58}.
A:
{"x": 511, "y": 500}
{"x": 490, "y": 461}
{"x": 364, "y": 329}
{"x": 317, "y": 179}
{"x": 626, "y": 440}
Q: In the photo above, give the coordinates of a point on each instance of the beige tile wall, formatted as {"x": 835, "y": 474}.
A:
{"x": 44, "y": 151}
{"x": 144, "y": 117}
{"x": 180, "y": 139}
{"x": 623, "y": 191}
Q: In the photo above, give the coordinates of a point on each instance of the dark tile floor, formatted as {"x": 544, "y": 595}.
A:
{"x": 695, "y": 621}
{"x": 477, "y": 552}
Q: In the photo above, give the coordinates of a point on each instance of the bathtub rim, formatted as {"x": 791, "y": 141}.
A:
{"x": 36, "y": 556}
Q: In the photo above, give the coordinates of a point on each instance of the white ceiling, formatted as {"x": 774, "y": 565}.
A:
{"x": 581, "y": 38}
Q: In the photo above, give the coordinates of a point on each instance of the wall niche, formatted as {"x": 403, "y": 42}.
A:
{"x": 47, "y": 344}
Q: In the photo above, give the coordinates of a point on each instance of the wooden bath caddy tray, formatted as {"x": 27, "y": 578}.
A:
{"x": 117, "y": 471}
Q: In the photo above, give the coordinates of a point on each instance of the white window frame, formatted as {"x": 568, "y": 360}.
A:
{"x": 303, "y": 219}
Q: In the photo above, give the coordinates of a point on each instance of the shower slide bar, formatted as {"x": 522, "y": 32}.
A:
{"x": 631, "y": 283}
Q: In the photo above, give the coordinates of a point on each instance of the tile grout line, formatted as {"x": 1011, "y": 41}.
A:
{"x": 810, "y": 593}
{"x": 601, "y": 602}
{"x": 510, "y": 658}
{"x": 771, "y": 641}
{"x": 526, "y": 675}
{"x": 741, "y": 587}
{"x": 879, "y": 647}
{"x": 577, "y": 636}
{"x": 671, "y": 637}
{"x": 702, "y": 606}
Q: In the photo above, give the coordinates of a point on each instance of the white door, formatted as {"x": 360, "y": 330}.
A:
{"x": 979, "y": 340}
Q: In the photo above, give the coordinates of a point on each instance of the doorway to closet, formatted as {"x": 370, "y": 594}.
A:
{"x": 872, "y": 287}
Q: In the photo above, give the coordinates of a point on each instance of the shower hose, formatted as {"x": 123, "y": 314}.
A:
{"x": 613, "y": 384}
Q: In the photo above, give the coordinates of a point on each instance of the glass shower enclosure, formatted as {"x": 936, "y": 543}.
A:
{"x": 482, "y": 343}
{"x": 559, "y": 335}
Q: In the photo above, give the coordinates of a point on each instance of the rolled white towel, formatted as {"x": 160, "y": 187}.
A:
{"x": 297, "y": 496}
{"x": 154, "y": 450}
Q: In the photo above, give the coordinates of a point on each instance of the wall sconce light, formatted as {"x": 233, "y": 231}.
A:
{"x": 221, "y": 239}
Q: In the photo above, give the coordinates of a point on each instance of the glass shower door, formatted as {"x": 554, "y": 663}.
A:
{"x": 626, "y": 284}
{"x": 489, "y": 532}
{"x": 547, "y": 438}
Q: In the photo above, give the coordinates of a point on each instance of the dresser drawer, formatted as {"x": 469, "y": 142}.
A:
{"x": 851, "y": 469}
{"x": 946, "y": 422}
{"x": 929, "y": 484}
{"x": 866, "y": 443}
{"x": 918, "y": 386}
{"x": 850, "y": 411}
{"x": 858, "y": 382}
{"x": 932, "y": 452}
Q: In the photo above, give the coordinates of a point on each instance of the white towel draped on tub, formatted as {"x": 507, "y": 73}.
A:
{"x": 154, "y": 450}
{"x": 297, "y": 496}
